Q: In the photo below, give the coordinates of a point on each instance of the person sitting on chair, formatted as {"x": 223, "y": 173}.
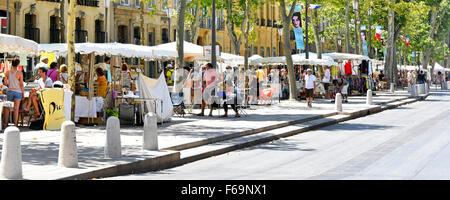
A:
{"x": 229, "y": 90}
{"x": 44, "y": 82}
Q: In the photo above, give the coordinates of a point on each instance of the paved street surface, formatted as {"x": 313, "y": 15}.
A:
{"x": 409, "y": 142}
{"x": 40, "y": 148}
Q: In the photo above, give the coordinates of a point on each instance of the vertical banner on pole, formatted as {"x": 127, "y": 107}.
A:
{"x": 378, "y": 32}
{"x": 364, "y": 39}
{"x": 299, "y": 38}
{"x": 298, "y": 31}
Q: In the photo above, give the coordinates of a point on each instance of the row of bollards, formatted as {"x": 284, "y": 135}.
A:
{"x": 338, "y": 100}
{"x": 11, "y": 160}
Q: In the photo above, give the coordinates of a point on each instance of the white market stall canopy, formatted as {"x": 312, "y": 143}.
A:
{"x": 110, "y": 49}
{"x": 15, "y": 45}
{"x": 226, "y": 58}
{"x": 297, "y": 59}
{"x": 190, "y": 49}
{"x": 346, "y": 56}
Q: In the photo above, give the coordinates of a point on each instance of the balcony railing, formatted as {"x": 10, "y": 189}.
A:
{"x": 91, "y": 3}
{"x": 32, "y": 33}
{"x": 100, "y": 37}
{"x": 81, "y": 36}
{"x": 55, "y": 36}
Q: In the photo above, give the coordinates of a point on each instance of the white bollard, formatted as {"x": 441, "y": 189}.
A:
{"x": 150, "y": 132}
{"x": 338, "y": 102}
{"x": 392, "y": 89}
{"x": 113, "y": 148}
{"x": 369, "y": 97}
{"x": 11, "y": 163}
{"x": 68, "y": 155}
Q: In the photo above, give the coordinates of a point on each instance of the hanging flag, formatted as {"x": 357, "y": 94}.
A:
{"x": 315, "y": 6}
{"x": 378, "y": 33}
{"x": 407, "y": 40}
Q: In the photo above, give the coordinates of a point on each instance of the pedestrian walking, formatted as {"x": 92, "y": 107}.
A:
{"x": 310, "y": 86}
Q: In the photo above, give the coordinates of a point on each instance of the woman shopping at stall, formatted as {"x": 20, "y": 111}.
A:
{"x": 14, "y": 81}
{"x": 102, "y": 82}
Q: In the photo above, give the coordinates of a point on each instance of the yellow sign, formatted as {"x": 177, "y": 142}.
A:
{"x": 50, "y": 56}
{"x": 53, "y": 102}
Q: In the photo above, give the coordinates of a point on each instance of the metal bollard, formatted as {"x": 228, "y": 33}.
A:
{"x": 338, "y": 102}
{"x": 392, "y": 88}
{"x": 150, "y": 132}
{"x": 369, "y": 97}
{"x": 11, "y": 163}
{"x": 68, "y": 155}
{"x": 113, "y": 148}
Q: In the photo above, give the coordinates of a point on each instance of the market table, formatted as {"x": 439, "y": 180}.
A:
{"x": 139, "y": 99}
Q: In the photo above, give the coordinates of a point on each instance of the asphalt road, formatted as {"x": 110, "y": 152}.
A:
{"x": 409, "y": 142}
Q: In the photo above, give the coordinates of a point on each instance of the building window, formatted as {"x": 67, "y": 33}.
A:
{"x": 151, "y": 4}
{"x": 268, "y": 51}
{"x": 255, "y": 50}
{"x": 99, "y": 34}
{"x": 137, "y": 35}
{"x": 31, "y": 32}
{"x": 175, "y": 4}
{"x": 122, "y": 34}
{"x": 164, "y": 35}
{"x": 262, "y": 51}
{"x": 151, "y": 39}
{"x": 54, "y": 31}
{"x": 80, "y": 34}
{"x": 125, "y": 2}
{"x": 274, "y": 51}
{"x": 137, "y": 3}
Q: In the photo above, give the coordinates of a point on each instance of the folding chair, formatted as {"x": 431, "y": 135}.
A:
{"x": 178, "y": 104}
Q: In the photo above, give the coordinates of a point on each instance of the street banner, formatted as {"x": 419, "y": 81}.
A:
{"x": 364, "y": 39}
{"x": 413, "y": 54}
{"x": 297, "y": 20}
{"x": 50, "y": 56}
{"x": 53, "y": 103}
{"x": 298, "y": 32}
{"x": 378, "y": 33}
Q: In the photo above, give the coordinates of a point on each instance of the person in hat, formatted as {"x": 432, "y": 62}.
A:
{"x": 43, "y": 63}
{"x": 169, "y": 74}
{"x": 310, "y": 86}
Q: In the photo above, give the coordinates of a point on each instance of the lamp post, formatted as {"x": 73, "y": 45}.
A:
{"x": 280, "y": 32}
{"x": 169, "y": 15}
{"x": 7, "y": 16}
{"x": 107, "y": 2}
{"x": 306, "y": 30}
{"x": 370, "y": 33}
{"x": 213, "y": 35}
{"x": 355, "y": 8}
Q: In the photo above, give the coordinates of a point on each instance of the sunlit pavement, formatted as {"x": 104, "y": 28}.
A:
{"x": 409, "y": 142}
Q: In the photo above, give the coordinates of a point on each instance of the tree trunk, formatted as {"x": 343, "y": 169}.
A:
{"x": 427, "y": 55}
{"x": 235, "y": 40}
{"x": 286, "y": 17}
{"x": 141, "y": 20}
{"x": 71, "y": 53}
{"x": 315, "y": 21}
{"x": 390, "y": 49}
{"x": 180, "y": 41}
{"x": 347, "y": 28}
{"x": 195, "y": 26}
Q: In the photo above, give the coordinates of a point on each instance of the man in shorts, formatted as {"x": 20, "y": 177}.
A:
{"x": 310, "y": 86}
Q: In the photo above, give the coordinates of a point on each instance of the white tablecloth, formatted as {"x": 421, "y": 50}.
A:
{"x": 86, "y": 108}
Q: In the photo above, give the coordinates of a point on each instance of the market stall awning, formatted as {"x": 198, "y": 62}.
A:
{"x": 110, "y": 49}
{"x": 190, "y": 49}
{"x": 297, "y": 59}
{"x": 345, "y": 56}
{"x": 15, "y": 45}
